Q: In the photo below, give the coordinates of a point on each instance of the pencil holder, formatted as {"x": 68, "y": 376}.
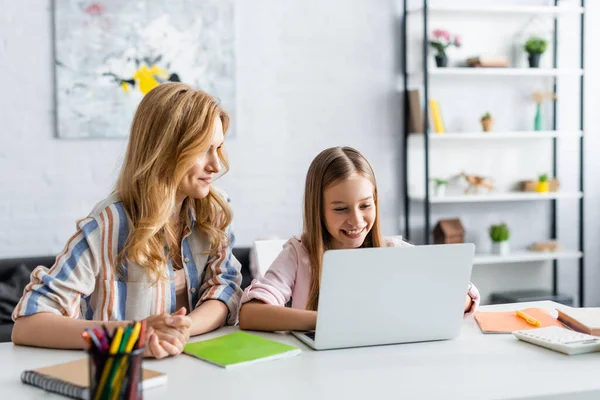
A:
{"x": 116, "y": 376}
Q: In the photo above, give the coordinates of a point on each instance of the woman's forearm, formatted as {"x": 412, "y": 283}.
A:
{"x": 209, "y": 316}
{"x": 258, "y": 316}
{"x": 55, "y": 331}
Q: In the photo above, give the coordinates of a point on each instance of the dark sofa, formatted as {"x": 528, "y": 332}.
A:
{"x": 14, "y": 275}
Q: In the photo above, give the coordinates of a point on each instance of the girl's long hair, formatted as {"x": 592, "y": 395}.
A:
{"x": 172, "y": 127}
{"x": 330, "y": 167}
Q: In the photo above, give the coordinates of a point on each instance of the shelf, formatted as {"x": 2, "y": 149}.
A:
{"x": 499, "y": 197}
{"x": 511, "y": 10}
{"x": 478, "y": 71}
{"x": 500, "y": 135}
{"x": 525, "y": 256}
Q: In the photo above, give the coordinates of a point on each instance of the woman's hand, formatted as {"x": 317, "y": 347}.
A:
{"x": 167, "y": 334}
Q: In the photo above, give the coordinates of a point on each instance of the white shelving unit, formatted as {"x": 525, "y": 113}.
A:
{"x": 500, "y": 197}
{"x": 474, "y": 72}
{"x": 525, "y": 135}
{"x": 445, "y": 76}
{"x": 523, "y": 10}
{"x": 525, "y": 256}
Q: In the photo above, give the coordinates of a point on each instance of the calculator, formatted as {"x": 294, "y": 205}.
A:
{"x": 560, "y": 339}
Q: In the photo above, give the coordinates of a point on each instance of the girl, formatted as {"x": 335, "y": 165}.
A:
{"x": 159, "y": 246}
{"x": 340, "y": 212}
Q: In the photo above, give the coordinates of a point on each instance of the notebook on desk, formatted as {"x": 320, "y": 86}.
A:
{"x": 584, "y": 320}
{"x": 509, "y": 321}
{"x": 72, "y": 378}
{"x": 239, "y": 348}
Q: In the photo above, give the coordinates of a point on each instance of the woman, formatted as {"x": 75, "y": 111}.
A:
{"x": 157, "y": 247}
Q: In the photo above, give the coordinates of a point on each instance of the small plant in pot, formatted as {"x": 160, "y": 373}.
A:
{"x": 440, "y": 186}
{"x": 535, "y": 46}
{"x": 441, "y": 41}
{"x": 487, "y": 122}
{"x": 499, "y": 234}
{"x": 543, "y": 184}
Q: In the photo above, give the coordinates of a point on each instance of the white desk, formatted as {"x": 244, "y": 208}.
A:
{"x": 474, "y": 366}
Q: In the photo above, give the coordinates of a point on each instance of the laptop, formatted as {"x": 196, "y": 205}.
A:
{"x": 390, "y": 295}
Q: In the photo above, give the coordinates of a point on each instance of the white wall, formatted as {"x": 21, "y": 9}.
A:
{"x": 310, "y": 74}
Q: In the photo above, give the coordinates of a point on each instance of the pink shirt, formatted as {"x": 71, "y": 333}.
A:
{"x": 289, "y": 277}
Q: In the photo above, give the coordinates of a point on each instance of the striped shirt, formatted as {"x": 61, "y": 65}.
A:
{"x": 83, "y": 282}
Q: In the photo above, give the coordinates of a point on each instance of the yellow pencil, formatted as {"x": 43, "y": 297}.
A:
{"x": 122, "y": 368}
{"x": 530, "y": 320}
{"x": 114, "y": 346}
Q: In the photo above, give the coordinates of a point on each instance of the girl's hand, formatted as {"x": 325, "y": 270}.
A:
{"x": 468, "y": 303}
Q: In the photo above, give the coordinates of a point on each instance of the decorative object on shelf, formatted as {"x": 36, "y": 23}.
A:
{"x": 476, "y": 182}
{"x": 436, "y": 116}
{"x": 487, "y": 122}
{"x": 531, "y": 185}
{"x": 442, "y": 40}
{"x": 448, "y": 231}
{"x": 487, "y": 62}
{"x": 499, "y": 234}
{"x": 440, "y": 186}
{"x": 547, "y": 246}
{"x": 543, "y": 185}
{"x": 539, "y": 97}
{"x": 535, "y": 46}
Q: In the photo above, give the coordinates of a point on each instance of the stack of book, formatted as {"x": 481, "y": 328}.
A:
{"x": 488, "y": 61}
{"x": 584, "y": 320}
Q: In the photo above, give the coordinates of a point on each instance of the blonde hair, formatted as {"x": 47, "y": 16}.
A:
{"x": 172, "y": 126}
{"x": 331, "y": 166}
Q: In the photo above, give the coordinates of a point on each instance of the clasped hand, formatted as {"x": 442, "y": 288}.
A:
{"x": 167, "y": 334}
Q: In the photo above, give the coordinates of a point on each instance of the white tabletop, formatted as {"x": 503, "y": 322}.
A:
{"x": 473, "y": 366}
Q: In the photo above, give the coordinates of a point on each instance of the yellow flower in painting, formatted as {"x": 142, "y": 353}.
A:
{"x": 146, "y": 77}
{"x": 125, "y": 86}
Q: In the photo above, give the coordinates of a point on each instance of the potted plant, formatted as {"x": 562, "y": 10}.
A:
{"x": 499, "y": 234}
{"x": 543, "y": 185}
{"x": 440, "y": 186}
{"x": 535, "y": 46}
{"x": 442, "y": 40}
{"x": 487, "y": 121}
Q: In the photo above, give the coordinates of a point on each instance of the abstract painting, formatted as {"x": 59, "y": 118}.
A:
{"x": 110, "y": 53}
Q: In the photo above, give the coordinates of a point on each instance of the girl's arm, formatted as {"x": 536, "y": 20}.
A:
{"x": 473, "y": 299}
{"x": 258, "y": 316}
{"x": 263, "y": 303}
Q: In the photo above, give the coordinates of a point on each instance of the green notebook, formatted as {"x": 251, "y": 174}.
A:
{"x": 239, "y": 348}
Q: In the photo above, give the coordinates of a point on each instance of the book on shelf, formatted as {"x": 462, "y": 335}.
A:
{"x": 488, "y": 62}
{"x": 415, "y": 118}
{"x": 436, "y": 116}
